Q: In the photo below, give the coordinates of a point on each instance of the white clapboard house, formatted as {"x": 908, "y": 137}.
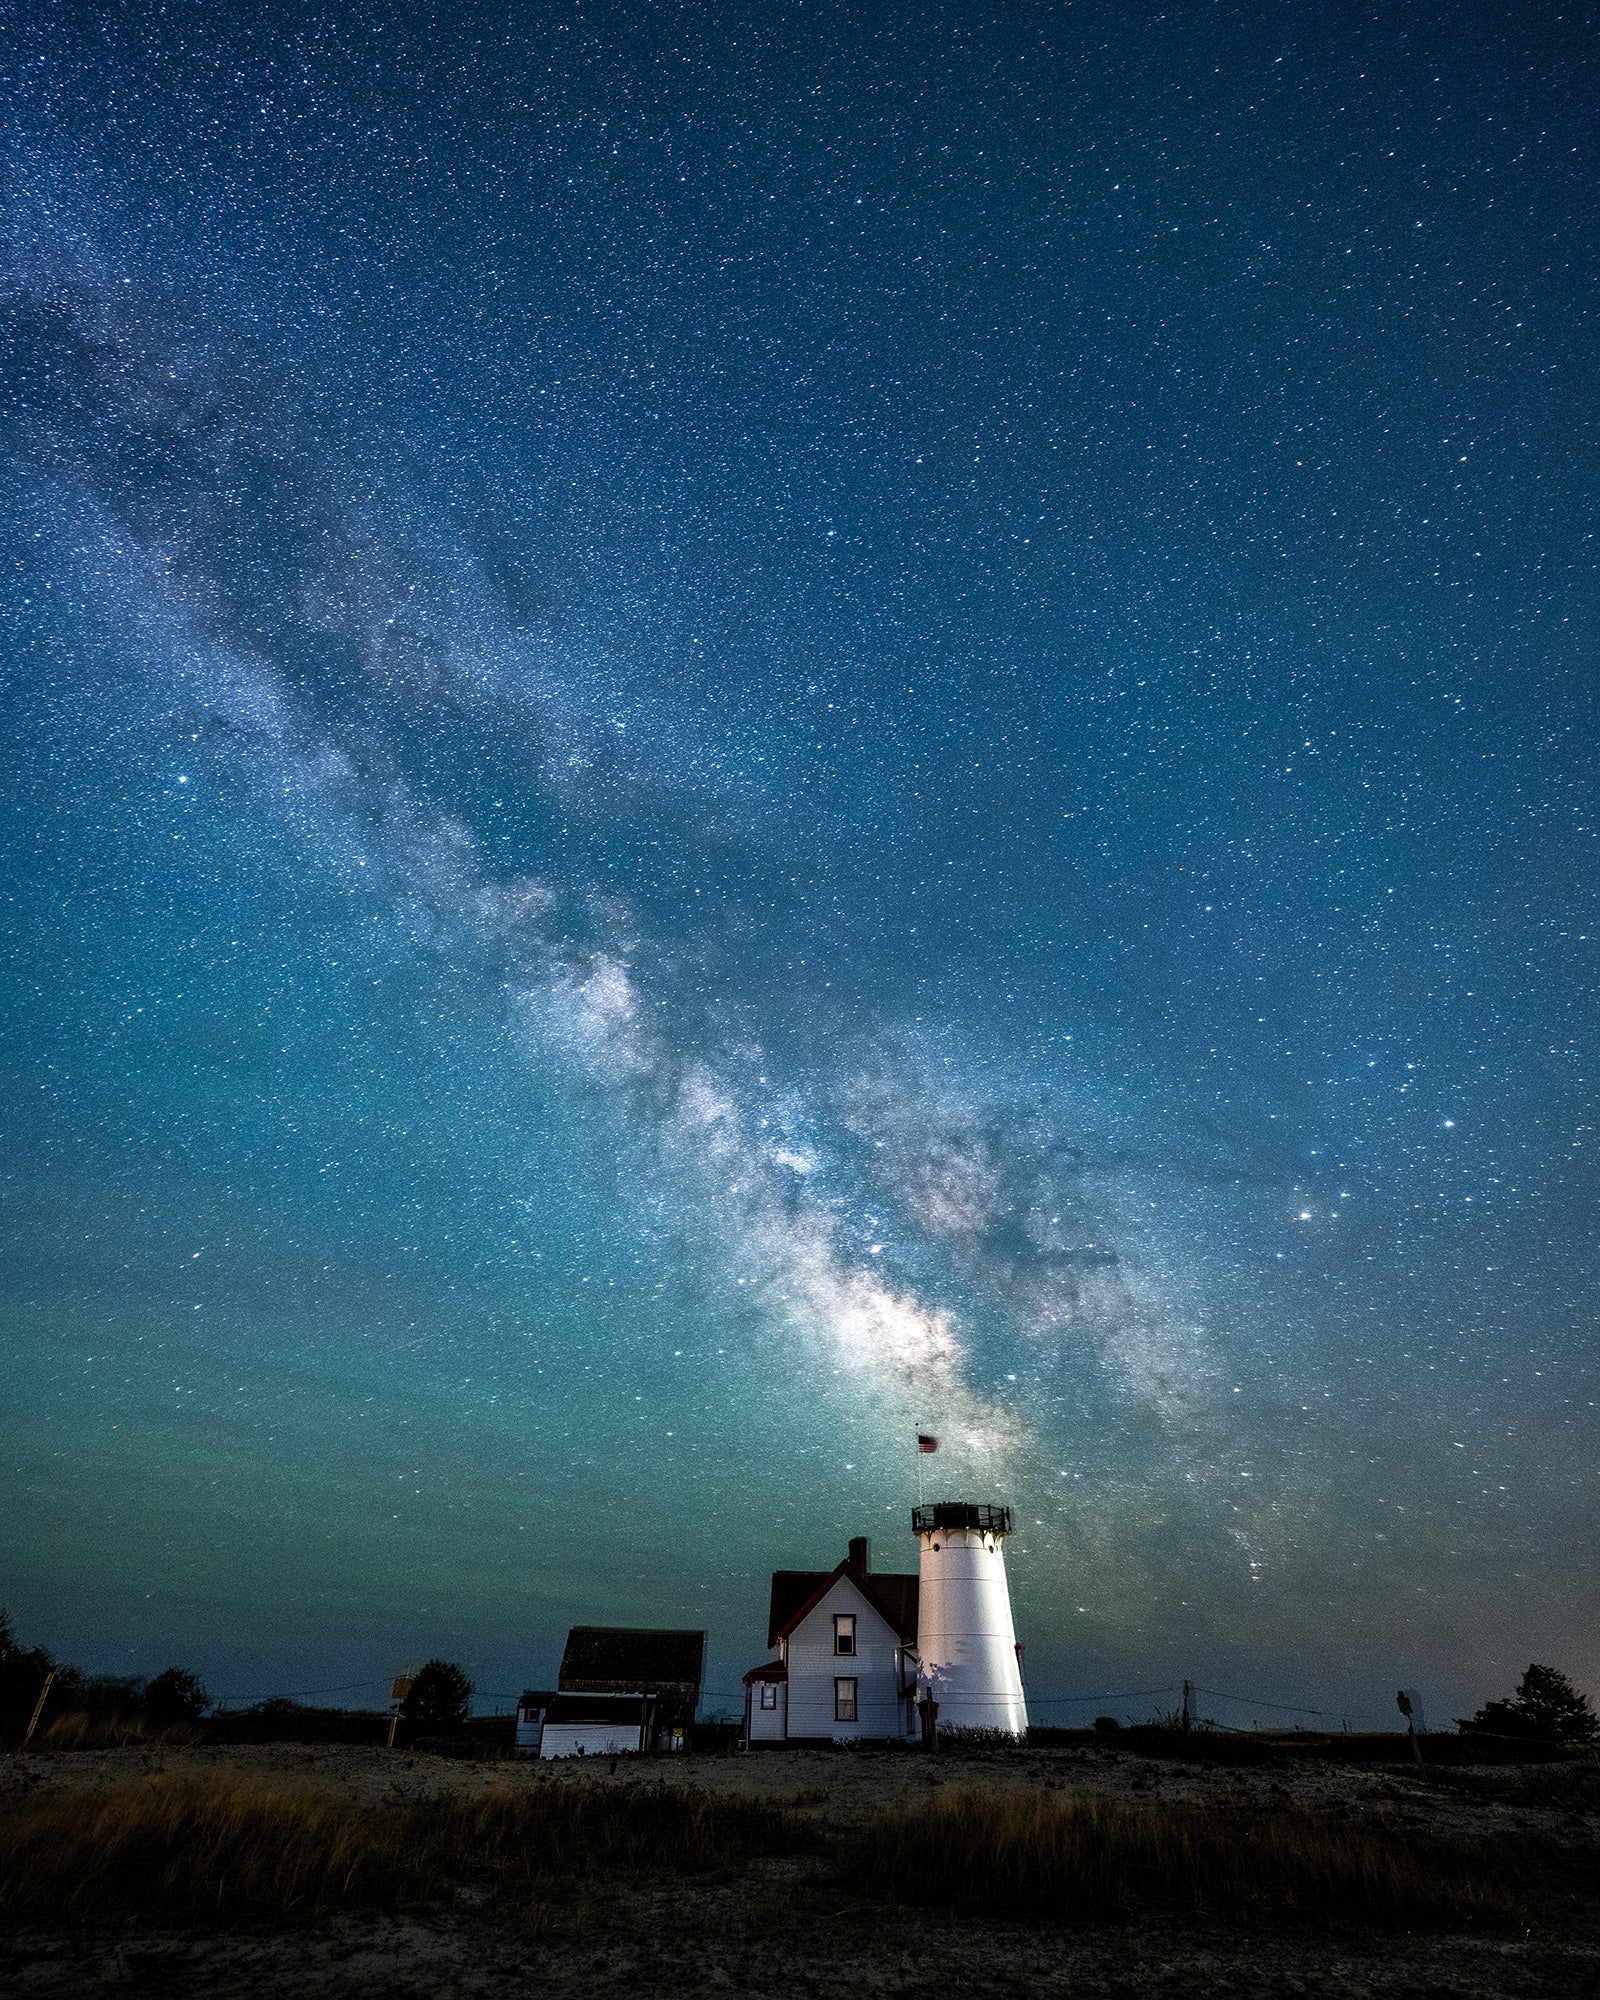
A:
{"x": 846, "y": 1666}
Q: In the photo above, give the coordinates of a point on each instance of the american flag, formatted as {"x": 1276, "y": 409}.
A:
{"x": 926, "y": 1443}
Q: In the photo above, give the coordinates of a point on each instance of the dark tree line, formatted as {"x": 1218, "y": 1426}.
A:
{"x": 1546, "y": 1708}
{"x": 170, "y": 1698}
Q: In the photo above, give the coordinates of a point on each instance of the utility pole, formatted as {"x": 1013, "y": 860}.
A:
{"x": 1186, "y": 1723}
{"x": 38, "y": 1707}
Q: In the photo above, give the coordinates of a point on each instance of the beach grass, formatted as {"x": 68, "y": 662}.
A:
{"x": 1037, "y": 1855}
{"x": 229, "y": 1849}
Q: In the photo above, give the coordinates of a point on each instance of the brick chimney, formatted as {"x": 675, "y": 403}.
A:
{"x": 860, "y": 1556}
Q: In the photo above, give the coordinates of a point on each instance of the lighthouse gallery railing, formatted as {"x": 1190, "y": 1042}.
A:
{"x": 961, "y": 1514}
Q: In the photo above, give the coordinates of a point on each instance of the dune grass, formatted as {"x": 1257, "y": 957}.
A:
{"x": 230, "y": 1849}
{"x": 241, "y": 1849}
{"x": 1091, "y": 1859}
{"x": 79, "y": 1729}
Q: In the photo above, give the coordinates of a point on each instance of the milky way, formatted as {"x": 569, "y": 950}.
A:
{"x": 734, "y": 735}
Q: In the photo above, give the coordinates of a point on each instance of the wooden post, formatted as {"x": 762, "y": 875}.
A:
{"x": 38, "y": 1707}
{"x": 399, "y": 1688}
{"x": 1404, "y": 1703}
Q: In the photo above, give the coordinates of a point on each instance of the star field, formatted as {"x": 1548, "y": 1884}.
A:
{"x": 738, "y": 730}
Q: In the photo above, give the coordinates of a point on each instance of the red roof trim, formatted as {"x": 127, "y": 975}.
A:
{"x": 862, "y": 1583}
{"x": 816, "y": 1597}
{"x": 770, "y": 1670}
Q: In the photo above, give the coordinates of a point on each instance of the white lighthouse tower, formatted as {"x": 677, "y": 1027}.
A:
{"x": 966, "y": 1642}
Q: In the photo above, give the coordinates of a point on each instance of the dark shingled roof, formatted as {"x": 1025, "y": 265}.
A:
{"x": 793, "y": 1589}
{"x": 614, "y": 1659}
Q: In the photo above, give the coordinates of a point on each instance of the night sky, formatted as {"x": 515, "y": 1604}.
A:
{"x": 736, "y": 728}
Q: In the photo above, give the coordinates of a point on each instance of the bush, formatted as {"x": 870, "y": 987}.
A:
{"x": 715, "y": 1736}
{"x": 175, "y": 1696}
{"x": 279, "y": 1720}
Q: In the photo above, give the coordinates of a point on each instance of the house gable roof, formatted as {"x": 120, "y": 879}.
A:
{"x": 795, "y": 1592}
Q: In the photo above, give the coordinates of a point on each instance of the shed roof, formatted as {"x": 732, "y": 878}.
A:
{"x": 795, "y": 1591}
{"x": 623, "y": 1659}
{"x": 769, "y": 1670}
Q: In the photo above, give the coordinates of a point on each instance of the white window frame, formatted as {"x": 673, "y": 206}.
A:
{"x": 843, "y": 1701}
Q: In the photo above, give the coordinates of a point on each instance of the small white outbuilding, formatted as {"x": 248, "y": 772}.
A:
{"x": 596, "y": 1725}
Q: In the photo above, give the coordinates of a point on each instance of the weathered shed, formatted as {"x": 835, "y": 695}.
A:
{"x": 628, "y": 1660}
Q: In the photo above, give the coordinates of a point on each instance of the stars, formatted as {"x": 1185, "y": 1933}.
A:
{"x": 596, "y": 923}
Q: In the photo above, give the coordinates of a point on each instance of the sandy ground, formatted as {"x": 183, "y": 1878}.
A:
{"x": 770, "y": 1933}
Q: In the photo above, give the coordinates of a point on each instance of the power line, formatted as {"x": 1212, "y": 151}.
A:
{"x": 300, "y": 1694}
{"x": 1127, "y": 1694}
{"x": 1255, "y": 1701}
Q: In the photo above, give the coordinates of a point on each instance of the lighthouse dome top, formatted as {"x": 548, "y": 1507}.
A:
{"x": 961, "y": 1514}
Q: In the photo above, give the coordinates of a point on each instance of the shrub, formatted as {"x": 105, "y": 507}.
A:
{"x": 175, "y": 1696}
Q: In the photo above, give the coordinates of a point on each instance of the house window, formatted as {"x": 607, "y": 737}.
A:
{"x": 844, "y": 1634}
{"x": 769, "y": 1694}
{"x": 844, "y": 1701}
